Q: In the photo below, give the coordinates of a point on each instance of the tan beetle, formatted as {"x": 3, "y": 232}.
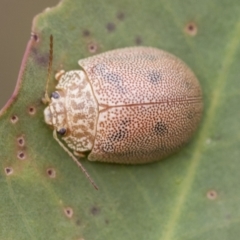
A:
{"x": 131, "y": 106}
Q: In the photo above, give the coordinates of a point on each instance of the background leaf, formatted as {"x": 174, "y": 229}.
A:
{"x": 191, "y": 195}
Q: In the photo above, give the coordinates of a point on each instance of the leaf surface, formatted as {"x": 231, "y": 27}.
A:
{"x": 192, "y": 195}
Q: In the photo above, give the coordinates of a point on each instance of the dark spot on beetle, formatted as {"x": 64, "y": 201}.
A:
{"x": 95, "y": 210}
{"x": 8, "y": 171}
{"x": 112, "y": 77}
{"x": 14, "y": 119}
{"x": 31, "y": 110}
{"x": 34, "y": 36}
{"x": 191, "y": 28}
{"x": 138, "y": 40}
{"x": 92, "y": 47}
{"x": 107, "y": 147}
{"x": 86, "y": 33}
{"x": 21, "y": 155}
{"x": 107, "y": 221}
{"x": 212, "y": 194}
{"x": 68, "y": 212}
{"x": 21, "y": 141}
{"x": 99, "y": 69}
{"x": 55, "y": 95}
{"x": 115, "y": 80}
{"x": 121, "y": 16}
{"x": 154, "y": 77}
{"x": 121, "y": 134}
{"x": 160, "y": 128}
{"x": 187, "y": 85}
{"x": 51, "y": 172}
{"x": 118, "y": 136}
{"x": 125, "y": 122}
{"x": 190, "y": 114}
{"x": 110, "y": 27}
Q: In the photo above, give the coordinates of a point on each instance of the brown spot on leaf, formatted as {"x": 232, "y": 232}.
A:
{"x": 8, "y": 171}
{"x": 35, "y": 37}
{"x": 95, "y": 210}
{"x": 191, "y": 28}
{"x": 31, "y": 110}
{"x": 138, "y": 40}
{"x": 92, "y": 47}
{"x": 21, "y": 155}
{"x": 21, "y": 141}
{"x": 121, "y": 16}
{"x": 14, "y": 119}
{"x": 51, "y": 172}
{"x": 86, "y": 33}
{"x": 41, "y": 59}
{"x": 78, "y": 222}
{"x": 110, "y": 27}
{"x": 212, "y": 194}
{"x": 68, "y": 212}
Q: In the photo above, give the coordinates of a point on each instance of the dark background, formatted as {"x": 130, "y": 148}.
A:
{"x": 15, "y": 26}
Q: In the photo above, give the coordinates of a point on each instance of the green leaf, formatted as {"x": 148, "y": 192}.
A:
{"x": 192, "y": 195}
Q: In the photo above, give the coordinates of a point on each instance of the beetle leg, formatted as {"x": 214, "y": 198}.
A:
{"x": 79, "y": 154}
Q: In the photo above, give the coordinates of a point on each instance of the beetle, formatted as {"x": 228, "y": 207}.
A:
{"x": 132, "y": 105}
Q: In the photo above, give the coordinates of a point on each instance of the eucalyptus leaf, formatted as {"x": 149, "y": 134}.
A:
{"x": 192, "y": 195}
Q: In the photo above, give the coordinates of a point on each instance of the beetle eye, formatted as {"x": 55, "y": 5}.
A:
{"x": 62, "y": 131}
{"x": 55, "y": 95}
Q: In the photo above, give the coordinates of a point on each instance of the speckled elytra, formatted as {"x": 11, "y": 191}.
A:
{"x": 131, "y": 106}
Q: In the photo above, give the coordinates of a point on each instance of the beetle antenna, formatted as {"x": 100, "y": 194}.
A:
{"x": 46, "y": 97}
{"x": 75, "y": 160}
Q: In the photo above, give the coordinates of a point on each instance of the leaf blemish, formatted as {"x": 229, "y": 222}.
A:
{"x": 121, "y": 16}
{"x": 138, "y": 40}
{"x": 92, "y": 47}
{"x": 78, "y": 222}
{"x": 31, "y": 110}
{"x": 68, "y": 212}
{"x": 21, "y": 141}
{"x": 21, "y": 155}
{"x": 95, "y": 210}
{"x": 35, "y": 37}
{"x": 191, "y": 28}
{"x": 41, "y": 59}
{"x": 14, "y": 119}
{"x": 86, "y": 33}
{"x": 51, "y": 172}
{"x": 212, "y": 194}
{"x": 110, "y": 27}
{"x": 8, "y": 171}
